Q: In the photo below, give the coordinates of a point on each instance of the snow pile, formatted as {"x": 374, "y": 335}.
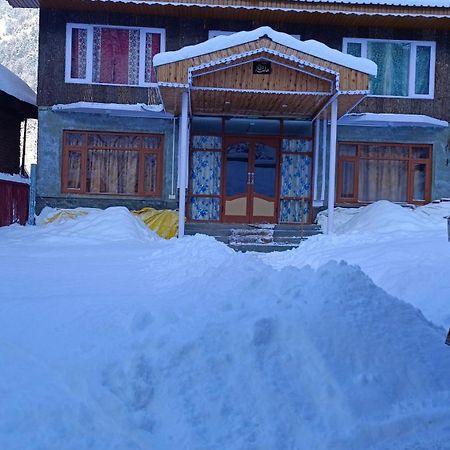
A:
{"x": 405, "y": 251}
{"x": 89, "y": 225}
{"x": 185, "y": 344}
{"x": 386, "y": 217}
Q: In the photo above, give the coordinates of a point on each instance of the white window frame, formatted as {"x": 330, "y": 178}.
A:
{"x": 215, "y": 33}
{"x": 412, "y": 63}
{"x": 90, "y": 53}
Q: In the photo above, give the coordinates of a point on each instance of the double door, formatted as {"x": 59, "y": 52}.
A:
{"x": 250, "y": 190}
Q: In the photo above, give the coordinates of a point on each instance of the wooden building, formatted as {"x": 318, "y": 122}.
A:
{"x": 17, "y": 104}
{"x": 201, "y": 105}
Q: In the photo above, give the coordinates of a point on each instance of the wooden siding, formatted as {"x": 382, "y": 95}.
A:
{"x": 268, "y": 10}
{"x": 183, "y": 31}
{"x": 14, "y": 199}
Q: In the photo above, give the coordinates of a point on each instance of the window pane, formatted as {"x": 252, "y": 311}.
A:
{"x": 347, "y": 184}
{"x": 265, "y": 168}
{"x": 150, "y": 173}
{"x": 114, "y": 141}
{"x": 354, "y": 48}
{"x": 297, "y": 145}
{"x": 237, "y": 169}
{"x": 204, "y": 208}
{"x": 152, "y": 47}
{"x": 294, "y": 211}
{"x": 423, "y": 60}
{"x": 74, "y": 170}
{"x": 420, "y": 152}
{"x": 420, "y": 171}
{"x": 79, "y": 53}
{"x": 151, "y": 142}
{"x": 347, "y": 149}
{"x": 392, "y": 60}
{"x": 207, "y": 142}
{"x": 383, "y": 180}
{"x": 206, "y": 173}
{"x": 112, "y": 171}
{"x": 116, "y": 56}
{"x": 75, "y": 139}
{"x": 295, "y": 176}
{"x": 384, "y": 151}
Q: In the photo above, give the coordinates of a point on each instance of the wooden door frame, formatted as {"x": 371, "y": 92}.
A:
{"x": 252, "y": 140}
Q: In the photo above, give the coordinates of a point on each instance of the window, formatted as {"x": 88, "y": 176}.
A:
{"x": 112, "y": 163}
{"x": 101, "y": 54}
{"x": 395, "y": 172}
{"x": 405, "y": 68}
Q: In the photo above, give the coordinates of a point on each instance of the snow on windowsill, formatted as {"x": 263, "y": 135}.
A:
{"x": 138, "y": 109}
{"x": 310, "y": 47}
{"x": 385, "y": 120}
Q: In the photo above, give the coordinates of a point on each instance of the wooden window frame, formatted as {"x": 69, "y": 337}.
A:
{"x": 90, "y": 52}
{"x": 411, "y": 162}
{"x": 83, "y": 149}
{"x": 412, "y": 64}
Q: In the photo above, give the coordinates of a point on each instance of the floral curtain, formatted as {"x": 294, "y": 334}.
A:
{"x": 152, "y": 47}
{"x": 295, "y": 182}
{"x": 205, "y": 181}
{"x": 79, "y": 53}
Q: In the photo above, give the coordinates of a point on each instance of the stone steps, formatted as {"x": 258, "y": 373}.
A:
{"x": 263, "y": 238}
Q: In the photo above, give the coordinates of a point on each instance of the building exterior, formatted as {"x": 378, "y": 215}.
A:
{"x": 17, "y": 104}
{"x": 168, "y": 104}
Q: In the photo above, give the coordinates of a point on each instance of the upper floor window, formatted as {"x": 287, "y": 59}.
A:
{"x": 103, "y": 54}
{"x": 405, "y": 68}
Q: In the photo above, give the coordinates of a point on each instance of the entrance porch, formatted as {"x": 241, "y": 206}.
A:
{"x": 244, "y": 103}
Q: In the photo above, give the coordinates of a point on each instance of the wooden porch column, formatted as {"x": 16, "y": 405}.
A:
{"x": 183, "y": 162}
{"x": 332, "y": 168}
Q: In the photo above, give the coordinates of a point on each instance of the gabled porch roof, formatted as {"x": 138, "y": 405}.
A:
{"x": 220, "y": 76}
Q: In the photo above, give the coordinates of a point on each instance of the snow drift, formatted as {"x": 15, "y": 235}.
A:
{"x": 188, "y": 345}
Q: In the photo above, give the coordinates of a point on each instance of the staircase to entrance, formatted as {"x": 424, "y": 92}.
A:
{"x": 259, "y": 238}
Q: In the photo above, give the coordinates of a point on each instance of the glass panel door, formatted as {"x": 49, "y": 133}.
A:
{"x": 237, "y": 181}
{"x": 264, "y": 182}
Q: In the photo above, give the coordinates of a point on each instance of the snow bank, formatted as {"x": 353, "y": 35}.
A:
{"x": 185, "y": 344}
{"x": 387, "y": 217}
{"x": 404, "y": 251}
{"x": 87, "y": 225}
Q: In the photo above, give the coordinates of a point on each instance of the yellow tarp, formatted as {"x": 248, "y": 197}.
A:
{"x": 162, "y": 221}
{"x": 65, "y": 214}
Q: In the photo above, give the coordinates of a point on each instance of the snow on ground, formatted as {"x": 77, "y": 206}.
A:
{"x": 404, "y": 251}
{"x": 111, "y": 338}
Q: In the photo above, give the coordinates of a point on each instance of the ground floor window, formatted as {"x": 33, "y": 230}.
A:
{"x": 368, "y": 172}
{"x": 112, "y": 163}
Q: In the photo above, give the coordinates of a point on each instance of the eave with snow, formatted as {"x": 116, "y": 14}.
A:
{"x": 304, "y": 80}
{"x": 414, "y": 13}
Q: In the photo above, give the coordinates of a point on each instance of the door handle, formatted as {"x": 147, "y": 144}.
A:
{"x": 252, "y": 177}
{"x": 249, "y": 178}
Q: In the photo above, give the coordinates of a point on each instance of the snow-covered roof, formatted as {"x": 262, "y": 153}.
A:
{"x": 16, "y": 178}
{"x": 424, "y": 3}
{"x": 384, "y": 120}
{"x": 113, "y": 109}
{"x": 11, "y": 84}
{"x": 311, "y": 47}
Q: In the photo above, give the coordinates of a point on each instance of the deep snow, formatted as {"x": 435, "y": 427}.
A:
{"x": 112, "y": 338}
